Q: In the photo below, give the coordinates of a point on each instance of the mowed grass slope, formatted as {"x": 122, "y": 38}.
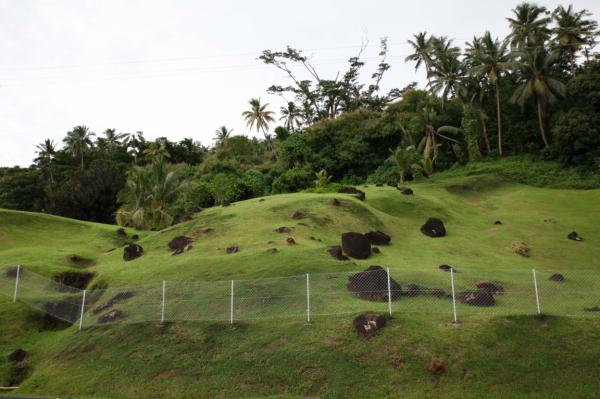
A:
{"x": 518, "y": 356}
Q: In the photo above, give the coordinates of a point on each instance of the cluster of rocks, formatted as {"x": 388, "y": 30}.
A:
{"x": 483, "y": 295}
{"x": 358, "y": 245}
{"x": 367, "y": 324}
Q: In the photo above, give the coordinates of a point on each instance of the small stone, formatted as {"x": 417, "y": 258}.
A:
{"x": 436, "y": 367}
{"x": 335, "y": 202}
{"x": 232, "y": 249}
{"x": 557, "y": 277}
{"x": 290, "y": 241}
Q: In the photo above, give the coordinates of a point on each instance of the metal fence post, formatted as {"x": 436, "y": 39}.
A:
{"x": 389, "y": 286}
{"x": 82, "y": 308}
{"x": 162, "y": 308}
{"x": 231, "y": 305}
{"x": 17, "y": 283}
{"x": 308, "y": 297}
{"x": 537, "y": 295}
{"x": 453, "y": 295}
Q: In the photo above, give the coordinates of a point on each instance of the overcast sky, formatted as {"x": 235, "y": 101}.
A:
{"x": 184, "y": 68}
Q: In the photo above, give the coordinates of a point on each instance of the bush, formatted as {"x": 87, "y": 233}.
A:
{"x": 255, "y": 184}
{"x": 225, "y": 188}
{"x": 198, "y": 194}
{"x": 384, "y": 174}
{"x": 294, "y": 151}
{"x": 293, "y": 180}
{"x": 577, "y": 139}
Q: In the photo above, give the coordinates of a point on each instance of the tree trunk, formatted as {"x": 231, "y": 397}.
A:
{"x": 498, "y": 117}
{"x": 82, "y": 161}
{"x": 541, "y": 122}
{"x": 572, "y": 61}
{"x": 484, "y": 132}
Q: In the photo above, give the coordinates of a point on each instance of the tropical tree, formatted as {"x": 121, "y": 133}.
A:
{"x": 222, "y": 134}
{"x": 529, "y": 26}
{"x": 573, "y": 32}
{"x": 403, "y": 158}
{"x": 79, "y": 142}
{"x": 422, "y": 49}
{"x": 490, "y": 58}
{"x": 149, "y": 196}
{"x": 446, "y": 70}
{"x": 114, "y": 139}
{"x": 322, "y": 178}
{"x": 292, "y": 115}
{"x": 157, "y": 149}
{"x": 258, "y": 116}
{"x": 535, "y": 68}
{"x": 45, "y": 153}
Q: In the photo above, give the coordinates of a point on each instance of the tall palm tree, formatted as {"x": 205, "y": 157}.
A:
{"x": 446, "y": 69}
{"x": 421, "y": 47}
{"x": 538, "y": 83}
{"x": 529, "y": 26}
{"x": 572, "y": 31}
{"x": 79, "y": 142}
{"x": 291, "y": 115}
{"x": 258, "y": 116}
{"x": 45, "y": 153}
{"x": 114, "y": 139}
{"x": 490, "y": 58}
{"x": 222, "y": 134}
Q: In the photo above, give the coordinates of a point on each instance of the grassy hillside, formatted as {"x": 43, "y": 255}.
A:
{"x": 517, "y": 356}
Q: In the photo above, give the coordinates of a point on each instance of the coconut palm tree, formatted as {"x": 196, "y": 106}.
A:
{"x": 572, "y": 31}
{"x": 45, "y": 153}
{"x": 535, "y": 68}
{"x": 79, "y": 142}
{"x": 258, "y": 116}
{"x": 222, "y": 134}
{"x": 291, "y": 115}
{"x": 529, "y": 26}
{"x": 446, "y": 69}
{"x": 490, "y": 58}
{"x": 421, "y": 46}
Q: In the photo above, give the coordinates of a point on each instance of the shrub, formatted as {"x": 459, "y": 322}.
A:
{"x": 384, "y": 174}
{"x": 255, "y": 184}
{"x": 225, "y": 188}
{"x": 293, "y": 180}
{"x": 577, "y": 138}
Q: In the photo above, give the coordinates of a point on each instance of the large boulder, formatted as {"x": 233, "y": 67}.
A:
{"x": 367, "y": 324}
{"x": 477, "y": 298}
{"x": 356, "y": 245}
{"x": 378, "y": 238}
{"x": 132, "y": 251}
{"x": 372, "y": 285}
{"x": 574, "y": 236}
{"x": 433, "y": 227}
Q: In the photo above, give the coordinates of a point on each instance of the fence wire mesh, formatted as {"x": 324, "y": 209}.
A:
{"x": 488, "y": 293}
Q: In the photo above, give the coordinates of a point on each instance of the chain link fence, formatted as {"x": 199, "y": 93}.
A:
{"x": 457, "y": 294}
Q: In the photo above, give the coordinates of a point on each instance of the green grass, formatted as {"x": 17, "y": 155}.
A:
{"x": 488, "y": 354}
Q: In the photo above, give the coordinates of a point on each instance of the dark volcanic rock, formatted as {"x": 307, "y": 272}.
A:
{"x": 298, "y": 215}
{"x": 352, "y": 190}
{"x": 375, "y": 250}
{"x": 18, "y": 356}
{"x": 290, "y": 241}
{"x": 232, "y": 249}
{"x": 179, "y": 244}
{"x": 446, "y": 268}
{"x": 592, "y": 309}
{"x": 335, "y": 202}
{"x": 372, "y": 285}
{"x": 433, "y": 228}
{"x": 111, "y": 316}
{"x": 336, "y": 252}
{"x": 367, "y": 324}
{"x": 406, "y": 190}
{"x": 120, "y": 297}
{"x": 283, "y": 229}
{"x": 411, "y": 290}
{"x": 132, "y": 251}
{"x": 356, "y": 245}
{"x": 497, "y": 222}
{"x": 477, "y": 298}
{"x": 135, "y": 237}
{"x": 69, "y": 280}
{"x": 574, "y": 236}
{"x": 492, "y": 288}
{"x": 559, "y": 278}
{"x": 121, "y": 232}
{"x": 436, "y": 367}
{"x": 378, "y": 238}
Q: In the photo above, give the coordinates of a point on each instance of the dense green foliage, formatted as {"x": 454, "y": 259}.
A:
{"x": 535, "y": 93}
